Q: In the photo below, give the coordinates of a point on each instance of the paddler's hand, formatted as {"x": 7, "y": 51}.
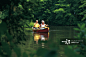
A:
{"x": 46, "y": 25}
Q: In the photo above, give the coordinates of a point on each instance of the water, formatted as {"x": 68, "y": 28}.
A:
{"x": 40, "y": 44}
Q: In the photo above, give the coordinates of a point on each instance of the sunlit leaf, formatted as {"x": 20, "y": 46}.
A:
{"x": 62, "y": 5}
{"x": 83, "y": 17}
{"x": 77, "y": 29}
{"x": 79, "y": 25}
{"x": 20, "y": 6}
{"x": 82, "y": 26}
{"x": 58, "y": 10}
{"x": 27, "y": 0}
{"x": 57, "y": 4}
{"x": 0, "y": 21}
{"x": 41, "y": 0}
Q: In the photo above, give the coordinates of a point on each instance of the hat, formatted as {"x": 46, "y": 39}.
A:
{"x": 36, "y": 20}
{"x": 42, "y": 20}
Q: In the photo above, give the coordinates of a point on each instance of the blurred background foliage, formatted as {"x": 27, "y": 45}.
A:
{"x": 81, "y": 35}
{"x": 17, "y": 14}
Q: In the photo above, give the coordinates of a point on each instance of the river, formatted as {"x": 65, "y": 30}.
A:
{"x": 48, "y": 44}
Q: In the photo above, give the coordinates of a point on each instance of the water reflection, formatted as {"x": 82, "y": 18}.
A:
{"x": 50, "y": 41}
{"x": 41, "y": 37}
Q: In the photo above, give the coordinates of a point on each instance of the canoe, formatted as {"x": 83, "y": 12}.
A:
{"x": 42, "y": 30}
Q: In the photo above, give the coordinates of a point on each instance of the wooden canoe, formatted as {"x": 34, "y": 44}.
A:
{"x": 43, "y": 30}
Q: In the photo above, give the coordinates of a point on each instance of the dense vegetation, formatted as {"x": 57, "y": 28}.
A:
{"x": 82, "y": 36}
{"x": 54, "y": 12}
{"x": 16, "y": 14}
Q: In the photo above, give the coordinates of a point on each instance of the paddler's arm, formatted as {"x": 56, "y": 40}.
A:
{"x": 34, "y": 24}
{"x": 46, "y": 25}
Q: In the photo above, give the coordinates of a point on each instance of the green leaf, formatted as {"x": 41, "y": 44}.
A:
{"x": 17, "y": 51}
{"x": 15, "y": 13}
{"x": 12, "y": 44}
{"x": 79, "y": 25}
{"x": 58, "y": 10}
{"x": 25, "y": 55}
{"x": 77, "y": 29}
{"x": 3, "y": 27}
{"x": 78, "y": 36}
{"x": 27, "y": 0}
{"x": 9, "y": 36}
{"x": 3, "y": 14}
{"x": 41, "y": 0}
{"x": 82, "y": 26}
{"x": 51, "y": 53}
{"x": 83, "y": 18}
{"x": 6, "y": 48}
{"x": 0, "y": 50}
{"x": 0, "y": 36}
{"x": 20, "y": 6}
{"x": 70, "y": 47}
{"x": 75, "y": 36}
{"x": 75, "y": 46}
{"x": 0, "y": 21}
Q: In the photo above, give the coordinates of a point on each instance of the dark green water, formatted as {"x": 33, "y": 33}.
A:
{"x": 48, "y": 44}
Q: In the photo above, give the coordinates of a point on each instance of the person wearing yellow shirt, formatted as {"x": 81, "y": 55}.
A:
{"x": 36, "y": 25}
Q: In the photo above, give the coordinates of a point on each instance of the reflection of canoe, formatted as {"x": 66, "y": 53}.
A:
{"x": 43, "y": 30}
{"x": 40, "y": 36}
{"x": 45, "y": 34}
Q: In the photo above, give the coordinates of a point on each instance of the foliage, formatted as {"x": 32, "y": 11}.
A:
{"x": 3, "y": 14}
{"x": 16, "y": 14}
{"x": 71, "y": 53}
{"x": 61, "y": 11}
{"x": 82, "y": 7}
{"x": 31, "y": 24}
{"x": 82, "y": 36}
{"x": 6, "y": 42}
{"x": 28, "y": 24}
{"x": 82, "y": 31}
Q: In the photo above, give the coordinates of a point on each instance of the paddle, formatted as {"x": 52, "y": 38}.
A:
{"x": 47, "y": 26}
{"x": 37, "y": 29}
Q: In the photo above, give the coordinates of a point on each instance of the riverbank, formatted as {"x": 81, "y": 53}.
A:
{"x": 28, "y": 29}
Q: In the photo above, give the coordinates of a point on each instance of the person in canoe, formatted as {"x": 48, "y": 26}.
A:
{"x": 43, "y": 25}
{"x": 36, "y": 25}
